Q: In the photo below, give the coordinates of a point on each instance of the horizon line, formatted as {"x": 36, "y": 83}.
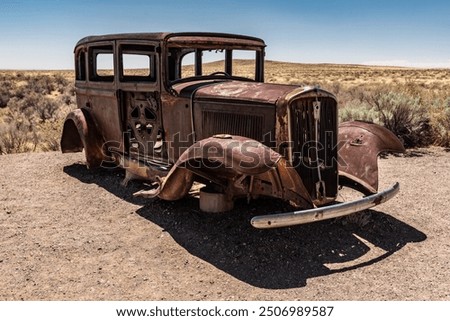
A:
{"x": 376, "y": 64}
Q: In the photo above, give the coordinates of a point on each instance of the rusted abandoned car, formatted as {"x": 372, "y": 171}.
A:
{"x": 177, "y": 108}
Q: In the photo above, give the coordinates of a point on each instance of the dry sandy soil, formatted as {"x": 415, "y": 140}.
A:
{"x": 67, "y": 233}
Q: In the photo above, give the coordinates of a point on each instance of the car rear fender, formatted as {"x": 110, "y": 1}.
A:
{"x": 79, "y": 132}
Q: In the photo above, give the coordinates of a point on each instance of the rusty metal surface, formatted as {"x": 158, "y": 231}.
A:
{"x": 103, "y": 107}
{"x": 80, "y": 132}
{"x": 244, "y": 91}
{"x": 241, "y": 154}
{"x": 206, "y": 40}
{"x": 358, "y": 157}
{"x": 156, "y": 36}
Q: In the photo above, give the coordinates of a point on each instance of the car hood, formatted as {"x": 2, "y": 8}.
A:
{"x": 234, "y": 90}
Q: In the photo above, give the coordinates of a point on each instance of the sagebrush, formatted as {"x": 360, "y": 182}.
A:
{"x": 32, "y": 109}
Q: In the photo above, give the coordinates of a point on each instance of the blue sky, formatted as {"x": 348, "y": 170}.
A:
{"x": 42, "y": 34}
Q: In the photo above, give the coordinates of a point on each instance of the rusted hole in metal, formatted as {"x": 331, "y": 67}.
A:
{"x": 150, "y": 115}
{"x": 135, "y": 113}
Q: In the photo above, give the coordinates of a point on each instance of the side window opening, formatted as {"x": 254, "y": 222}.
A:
{"x": 80, "y": 65}
{"x": 138, "y": 63}
{"x": 101, "y": 63}
{"x": 188, "y": 65}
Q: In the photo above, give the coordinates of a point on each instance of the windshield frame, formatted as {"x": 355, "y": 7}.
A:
{"x": 178, "y": 46}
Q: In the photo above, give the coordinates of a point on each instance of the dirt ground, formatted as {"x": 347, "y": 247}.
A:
{"x": 68, "y": 233}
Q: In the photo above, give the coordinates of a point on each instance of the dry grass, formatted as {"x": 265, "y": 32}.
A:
{"x": 414, "y": 103}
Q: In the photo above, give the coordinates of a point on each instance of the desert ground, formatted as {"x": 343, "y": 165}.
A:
{"x": 69, "y": 233}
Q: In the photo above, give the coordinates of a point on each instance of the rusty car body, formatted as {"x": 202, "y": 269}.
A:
{"x": 161, "y": 106}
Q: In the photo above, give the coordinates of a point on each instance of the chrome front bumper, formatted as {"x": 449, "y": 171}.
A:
{"x": 324, "y": 213}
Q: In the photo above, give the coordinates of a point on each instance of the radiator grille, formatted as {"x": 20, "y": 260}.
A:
{"x": 217, "y": 122}
{"x": 304, "y": 145}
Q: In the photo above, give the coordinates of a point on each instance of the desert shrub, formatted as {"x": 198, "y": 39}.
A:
{"x": 4, "y": 98}
{"x": 440, "y": 121}
{"x": 22, "y": 132}
{"x": 6, "y": 87}
{"x": 43, "y": 85}
{"x": 61, "y": 83}
{"x": 357, "y": 110}
{"x": 46, "y": 108}
{"x": 35, "y": 107}
{"x": 70, "y": 90}
{"x": 19, "y": 92}
{"x": 356, "y": 93}
{"x": 17, "y": 135}
{"x": 67, "y": 99}
{"x": 335, "y": 87}
{"x": 404, "y": 115}
{"x": 50, "y": 134}
{"x": 403, "y": 109}
{"x": 20, "y": 108}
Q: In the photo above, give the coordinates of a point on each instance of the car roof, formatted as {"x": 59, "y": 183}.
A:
{"x": 160, "y": 36}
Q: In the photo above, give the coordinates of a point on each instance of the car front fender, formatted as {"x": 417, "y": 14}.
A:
{"x": 361, "y": 143}
{"x": 239, "y": 165}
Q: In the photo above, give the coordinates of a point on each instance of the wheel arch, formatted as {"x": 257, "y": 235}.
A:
{"x": 80, "y": 132}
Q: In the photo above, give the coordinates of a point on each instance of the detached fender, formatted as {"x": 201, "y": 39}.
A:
{"x": 79, "y": 132}
{"x": 362, "y": 142}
